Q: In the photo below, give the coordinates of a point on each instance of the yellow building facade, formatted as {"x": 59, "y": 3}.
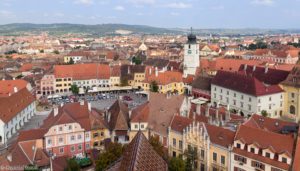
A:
{"x": 63, "y": 84}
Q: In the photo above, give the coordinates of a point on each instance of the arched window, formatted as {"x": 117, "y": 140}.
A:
{"x": 292, "y": 109}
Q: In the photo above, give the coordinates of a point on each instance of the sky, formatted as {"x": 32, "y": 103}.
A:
{"x": 200, "y": 14}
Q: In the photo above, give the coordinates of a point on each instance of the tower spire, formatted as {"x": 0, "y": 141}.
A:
{"x": 191, "y": 30}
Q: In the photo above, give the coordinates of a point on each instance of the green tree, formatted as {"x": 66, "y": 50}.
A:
{"x": 191, "y": 156}
{"x": 72, "y": 165}
{"x": 264, "y": 113}
{"x": 136, "y": 61}
{"x": 112, "y": 153}
{"x": 56, "y": 51}
{"x": 42, "y": 51}
{"x": 71, "y": 62}
{"x": 158, "y": 147}
{"x": 154, "y": 86}
{"x": 74, "y": 89}
{"x": 177, "y": 164}
{"x": 124, "y": 81}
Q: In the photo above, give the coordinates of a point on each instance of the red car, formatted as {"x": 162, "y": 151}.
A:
{"x": 129, "y": 99}
{"x": 125, "y": 97}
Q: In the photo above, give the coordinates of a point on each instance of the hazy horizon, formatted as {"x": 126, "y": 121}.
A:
{"x": 200, "y": 14}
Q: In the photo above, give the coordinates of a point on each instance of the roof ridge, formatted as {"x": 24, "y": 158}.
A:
{"x": 20, "y": 146}
{"x": 135, "y": 150}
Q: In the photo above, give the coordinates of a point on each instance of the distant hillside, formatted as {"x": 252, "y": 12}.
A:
{"x": 100, "y": 29}
{"x": 116, "y": 29}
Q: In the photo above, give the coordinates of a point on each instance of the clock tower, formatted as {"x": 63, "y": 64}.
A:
{"x": 191, "y": 55}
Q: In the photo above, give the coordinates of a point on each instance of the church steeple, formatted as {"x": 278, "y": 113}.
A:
{"x": 192, "y": 38}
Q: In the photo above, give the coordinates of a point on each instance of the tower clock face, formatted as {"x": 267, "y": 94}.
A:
{"x": 189, "y": 51}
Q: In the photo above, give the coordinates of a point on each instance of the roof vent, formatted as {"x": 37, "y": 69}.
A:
{"x": 276, "y": 124}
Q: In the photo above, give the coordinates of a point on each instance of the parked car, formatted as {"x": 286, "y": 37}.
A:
{"x": 100, "y": 96}
{"x": 129, "y": 99}
{"x": 125, "y": 97}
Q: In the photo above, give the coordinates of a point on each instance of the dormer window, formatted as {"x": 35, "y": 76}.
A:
{"x": 268, "y": 155}
{"x": 238, "y": 145}
{"x": 284, "y": 160}
{"x": 252, "y": 150}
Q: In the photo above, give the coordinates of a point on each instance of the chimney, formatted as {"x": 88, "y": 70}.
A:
{"x": 156, "y": 72}
{"x": 62, "y": 104}
{"x": 266, "y": 69}
{"x": 245, "y": 67}
{"x": 198, "y": 109}
{"x": 150, "y": 71}
{"x": 129, "y": 113}
{"x": 9, "y": 157}
{"x": 55, "y": 110}
{"x": 171, "y": 68}
{"x": 90, "y": 106}
{"x": 14, "y": 78}
{"x": 168, "y": 95}
{"x": 81, "y": 103}
{"x": 15, "y": 89}
{"x": 9, "y": 94}
{"x": 217, "y": 113}
{"x": 128, "y": 70}
{"x": 227, "y": 114}
{"x": 207, "y": 111}
{"x": 254, "y": 68}
{"x": 194, "y": 116}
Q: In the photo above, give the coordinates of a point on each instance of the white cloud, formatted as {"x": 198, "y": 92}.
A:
{"x": 140, "y": 14}
{"x": 263, "y": 2}
{"x": 119, "y": 8}
{"x": 59, "y": 14}
{"x": 84, "y": 2}
{"x": 45, "y": 14}
{"x": 179, "y": 5}
{"x": 7, "y": 14}
{"x": 175, "y": 13}
{"x": 141, "y": 1}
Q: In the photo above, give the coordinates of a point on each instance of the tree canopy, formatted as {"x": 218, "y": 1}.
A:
{"x": 158, "y": 147}
{"x": 112, "y": 153}
{"x": 177, "y": 164}
{"x": 72, "y": 165}
{"x": 191, "y": 156}
{"x": 74, "y": 89}
{"x": 154, "y": 86}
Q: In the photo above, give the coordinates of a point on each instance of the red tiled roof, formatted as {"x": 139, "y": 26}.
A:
{"x": 72, "y": 112}
{"x": 14, "y": 104}
{"x": 26, "y": 67}
{"x": 82, "y": 71}
{"x": 220, "y": 136}
{"x": 266, "y": 123}
{"x": 245, "y": 84}
{"x": 281, "y": 143}
{"x": 110, "y": 54}
{"x": 272, "y": 76}
{"x": 179, "y": 123}
{"x": 141, "y": 113}
{"x": 165, "y": 78}
{"x": 296, "y": 163}
{"x": 7, "y": 86}
{"x": 140, "y": 155}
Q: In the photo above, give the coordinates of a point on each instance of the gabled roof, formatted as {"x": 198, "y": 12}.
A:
{"x": 296, "y": 163}
{"x": 128, "y": 71}
{"x": 293, "y": 79}
{"x": 12, "y": 105}
{"x": 164, "y": 109}
{"x": 281, "y": 143}
{"x": 140, "y": 155}
{"x": 69, "y": 113}
{"x": 164, "y": 78}
{"x": 220, "y": 136}
{"x": 118, "y": 116}
{"x": 141, "y": 113}
{"x": 244, "y": 84}
{"x": 179, "y": 123}
{"x": 272, "y": 76}
{"x": 266, "y": 123}
{"x": 7, "y": 86}
{"x": 82, "y": 71}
